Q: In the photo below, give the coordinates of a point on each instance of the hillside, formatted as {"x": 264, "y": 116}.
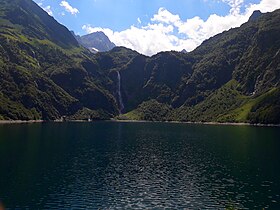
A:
{"x": 45, "y": 74}
{"x": 232, "y": 77}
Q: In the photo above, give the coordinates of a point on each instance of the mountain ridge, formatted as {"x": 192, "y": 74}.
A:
{"x": 228, "y": 61}
{"x": 30, "y": 59}
{"x": 95, "y": 42}
{"x": 231, "y": 77}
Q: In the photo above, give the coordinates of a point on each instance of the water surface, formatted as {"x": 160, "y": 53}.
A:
{"x": 139, "y": 165}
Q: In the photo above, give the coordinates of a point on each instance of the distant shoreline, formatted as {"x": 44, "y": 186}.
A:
{"x": 20, "y": 121}
{"x": 2, "y": 122}
{"x": 201, "y": 123}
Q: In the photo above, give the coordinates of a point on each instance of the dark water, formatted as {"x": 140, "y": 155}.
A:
{"x": 139, "y": 165}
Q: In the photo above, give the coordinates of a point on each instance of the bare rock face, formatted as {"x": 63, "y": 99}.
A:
{"x": 96, "y": 42}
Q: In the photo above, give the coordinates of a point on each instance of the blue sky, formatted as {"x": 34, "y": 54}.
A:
{"x": 121, "y": 14}
{"x": 157, "y": 25}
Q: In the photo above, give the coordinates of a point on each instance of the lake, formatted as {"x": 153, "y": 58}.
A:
{"x": 101, "y": 165}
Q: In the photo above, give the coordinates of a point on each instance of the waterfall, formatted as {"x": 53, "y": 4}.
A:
{"x": 34, "y": 56}
{"x": 119, "y": 92}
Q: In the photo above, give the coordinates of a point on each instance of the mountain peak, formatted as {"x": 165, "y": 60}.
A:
{"x": 96, "y": 42}
{"x": 100, "y": 33}
{"x": 255, "y": 15}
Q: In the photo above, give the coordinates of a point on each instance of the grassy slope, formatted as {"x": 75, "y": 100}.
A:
{"x": 232, "y": 77}
{"x": 224, "y": 105}
{"x": 149, "y": 111}
{"x": 44, "y": 71}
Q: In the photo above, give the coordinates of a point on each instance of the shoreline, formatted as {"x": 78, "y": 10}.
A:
{"x": 3, "y": 122}
{"x": 200, "y": 123}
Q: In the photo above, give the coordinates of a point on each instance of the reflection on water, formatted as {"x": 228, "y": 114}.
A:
{"x": 139, "y": 165}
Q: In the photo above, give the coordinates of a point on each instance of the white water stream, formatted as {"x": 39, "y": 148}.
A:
{"x": 119, "y": 92}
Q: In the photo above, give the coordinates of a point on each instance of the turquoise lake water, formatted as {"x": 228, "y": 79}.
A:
{"x": 102, "y": 165}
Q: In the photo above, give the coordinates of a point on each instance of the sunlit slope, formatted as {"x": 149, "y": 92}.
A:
{"x": 44, "y": 69}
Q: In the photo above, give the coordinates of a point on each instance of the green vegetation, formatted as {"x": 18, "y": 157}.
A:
{"x": 46, "y": 74}
{"x": 229, "y": 78}
{"x": 88, "y": 114}
{"x": 14, "y": 110}
{"x": 149, "y": 111}
{"x": 214, "y": 107}
{"x": 224, "y": 105}
{"x": 267, "y": 108}
{"x": 43, "y": 68}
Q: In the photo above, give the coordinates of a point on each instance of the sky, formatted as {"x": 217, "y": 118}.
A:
{"x": 152, "y": 26}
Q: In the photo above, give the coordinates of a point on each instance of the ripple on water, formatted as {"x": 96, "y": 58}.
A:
{"x": 143, "y": 166}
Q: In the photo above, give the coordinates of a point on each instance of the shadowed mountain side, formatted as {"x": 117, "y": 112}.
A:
{"x": 44, "y": 72}
{"x": 247, "y": 56}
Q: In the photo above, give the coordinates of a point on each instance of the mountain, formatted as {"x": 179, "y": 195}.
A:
{"x": 96, "y": 42}
{"x": 45, "y": 74}
{"x": 256, "y": 14}
{"x": 184, "y": 51}
{"x": 232, "y": 77}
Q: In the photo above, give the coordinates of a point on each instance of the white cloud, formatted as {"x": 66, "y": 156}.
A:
{"x": 139, "y": 20}
{"x": 264, "y": 6}
{"x": 167, "y": 31}
{"x": 48, "y": 10}
{"x": 69, "y": 8}
{"x": 164, "y": 16}
{"x": 235, "y": 5}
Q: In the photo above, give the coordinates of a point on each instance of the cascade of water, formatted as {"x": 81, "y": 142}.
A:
{"x": 34, "y": 56}
{"x": 119, "y": 92}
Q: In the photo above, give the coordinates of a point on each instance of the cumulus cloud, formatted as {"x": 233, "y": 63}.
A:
{"x": 69, "y": 8}
{"x": 264, "y": 6}
{"x": 164, "y": 16}
{"x": 167, "y": 31}
{"x": 147, "y": 40}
